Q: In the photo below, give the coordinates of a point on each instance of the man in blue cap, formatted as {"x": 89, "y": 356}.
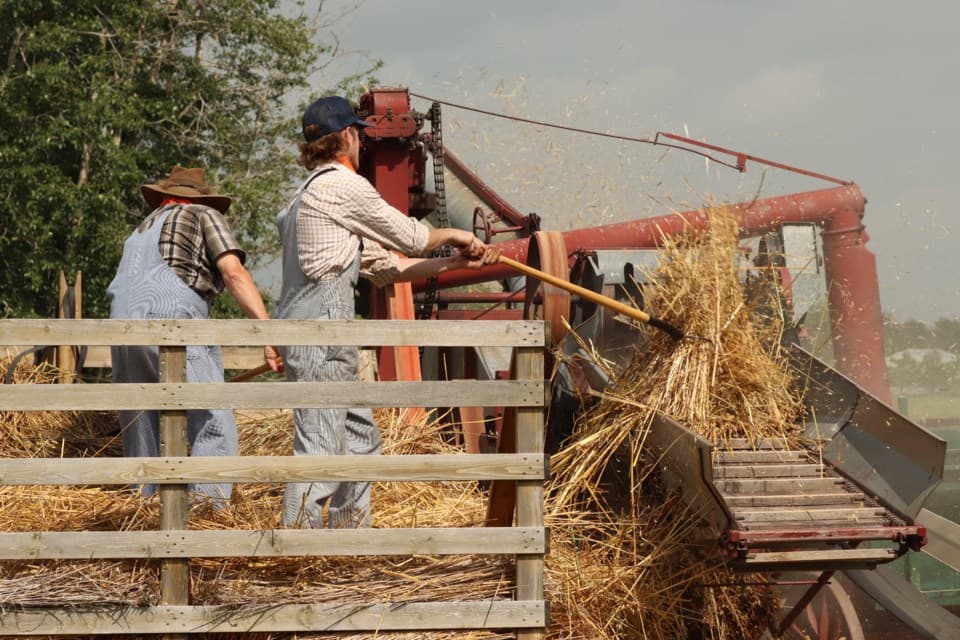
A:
{"x": 336, "y": 229}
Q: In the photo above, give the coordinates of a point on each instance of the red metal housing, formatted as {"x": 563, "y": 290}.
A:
{"x": 393, "y": 162}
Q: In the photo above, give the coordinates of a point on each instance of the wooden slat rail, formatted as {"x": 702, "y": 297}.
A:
{"x": 98, "y": 356}
{"x": 441, "y": 333}
{"x": 414, "y": 616}
{"x": 175, "y": 544}
{"x": 57, "y": 545}
{"x": 270, "y": 395}
{"x": 405, "y": 468}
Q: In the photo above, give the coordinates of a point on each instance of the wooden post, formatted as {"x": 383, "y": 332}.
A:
{"x": 530, "y": 493}
{"x": 66, "y": 361}
{"x": 174, "y": 573}
{"x": 77, "y": 295}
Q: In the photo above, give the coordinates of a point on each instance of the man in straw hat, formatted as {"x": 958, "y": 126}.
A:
{"x": 335, "y": 229}
{"x": 173, "y": 266}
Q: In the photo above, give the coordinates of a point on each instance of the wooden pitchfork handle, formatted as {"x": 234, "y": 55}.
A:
{"x": 250, "y": 373}
{"x": 584, "y": 293}
{"x": 595, "y": 297}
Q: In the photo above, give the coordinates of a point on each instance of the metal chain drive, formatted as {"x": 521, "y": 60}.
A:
{"x": 435, "y": 144}
{"x": 436, "y": 150}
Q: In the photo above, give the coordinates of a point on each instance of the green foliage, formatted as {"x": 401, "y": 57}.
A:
{"x": 930, "y": 370}
{"x": 944, "y": 334}
{"x": 908, "y": 334}
{"x": 99, "y": 97}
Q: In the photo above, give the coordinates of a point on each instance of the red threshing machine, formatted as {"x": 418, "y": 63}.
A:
{"x": 853, "y": 506}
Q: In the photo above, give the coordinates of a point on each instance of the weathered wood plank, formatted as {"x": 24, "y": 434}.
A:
{"x": 62, "y": 545}
{"x": 818, "y": 525}
{"x": 439, "y": 333}
{"x": 269, "y": 395}
{"x": 838, "y": 558}
{"x": 530, "y": 493}
{"x": 794, "y": 500}
{"x": 768, "y": 471}
{"x": 851, "y": 515}
{"x": 779, "y": 485}
{"x": 726, "y": 457}
{"x": 397, "y": 468}
{"x": 746, "y": 443}
{"x": 98, "y": 356}
{"x": 174, "y": 500}
{"x": 413, "y": 616}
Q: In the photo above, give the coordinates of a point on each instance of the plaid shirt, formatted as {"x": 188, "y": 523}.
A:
{"x": 193, "y": 238}
{"x": 340, "y": 211}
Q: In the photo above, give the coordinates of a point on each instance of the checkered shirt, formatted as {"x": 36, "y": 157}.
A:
{"x": 340, "y": 211}
{"x": 193, "y": 238}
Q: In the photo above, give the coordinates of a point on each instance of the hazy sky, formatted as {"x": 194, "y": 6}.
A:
{"x": 862, "y": 90}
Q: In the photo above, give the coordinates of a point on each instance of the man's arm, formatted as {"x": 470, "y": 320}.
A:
{"x": 365, "y": 213}
{"x": 241, "y": 286}
{"x": 417, "y": 268}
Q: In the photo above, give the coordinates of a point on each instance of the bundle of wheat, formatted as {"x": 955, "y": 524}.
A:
{"x": 731, "y": 383}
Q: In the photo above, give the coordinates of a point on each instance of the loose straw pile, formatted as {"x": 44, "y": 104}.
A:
{"x": 733, "y": 384}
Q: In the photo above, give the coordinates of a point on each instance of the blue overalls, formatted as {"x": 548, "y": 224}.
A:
{"x": 146, "y": 287}
{"x": 323, "y": 431}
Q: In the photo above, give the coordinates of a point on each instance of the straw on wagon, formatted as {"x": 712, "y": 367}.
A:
{"x": 612, "y": 572}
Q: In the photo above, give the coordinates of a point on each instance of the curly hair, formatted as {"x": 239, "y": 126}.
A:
{"x": 322, "y": 150}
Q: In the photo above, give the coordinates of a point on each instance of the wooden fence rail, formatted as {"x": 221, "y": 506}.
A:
{"x": 174, "y": 544}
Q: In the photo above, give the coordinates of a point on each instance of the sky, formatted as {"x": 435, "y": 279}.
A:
{"x": 856, "y": 89}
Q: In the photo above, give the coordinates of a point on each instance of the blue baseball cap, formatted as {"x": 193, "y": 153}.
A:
{"x": 327, "y": 115}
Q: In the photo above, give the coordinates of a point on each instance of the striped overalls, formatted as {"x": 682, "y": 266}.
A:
{"x": 146, "y": 287}
{"x": 323, "y": 431}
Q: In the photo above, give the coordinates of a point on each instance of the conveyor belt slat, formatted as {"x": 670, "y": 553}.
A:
{"x": 768, "y": 471}
{"x": 824, "y": 525}
{"x": 779, "y": 485}
{"x": 838, "y": 558}
{"x": 793, "y": 500}
{"x": 767, "y": 455}
{"x": 852, "y": 515}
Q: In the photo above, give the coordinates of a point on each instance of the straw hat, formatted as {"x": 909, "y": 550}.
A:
{"x": 190, "y": 183}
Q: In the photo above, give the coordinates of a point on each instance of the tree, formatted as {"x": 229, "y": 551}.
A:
{"x": 99, "y": 96}
{"x": 947, "y": 334}
{"x": 908, "y": 334}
